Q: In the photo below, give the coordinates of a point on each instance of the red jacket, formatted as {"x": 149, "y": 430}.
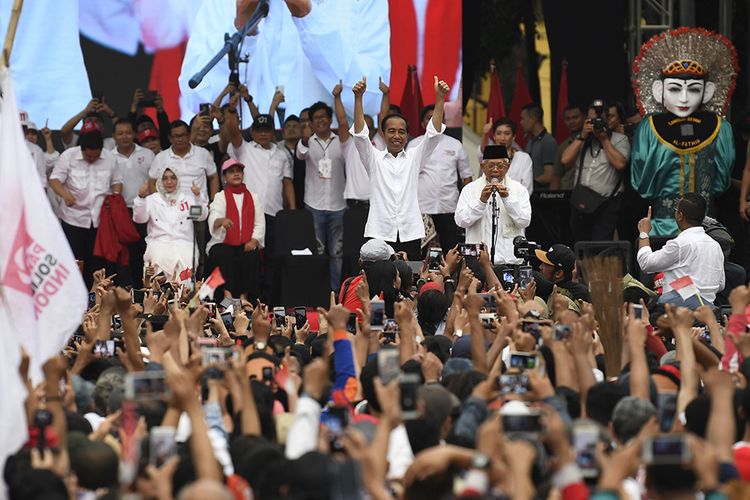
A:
{"x": 116, "y": 231}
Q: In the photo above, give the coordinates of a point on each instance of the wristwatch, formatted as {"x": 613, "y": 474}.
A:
{"x": 643, "y": 235}
{"x": 480, "y": 461}
{"x": 579, "y": 137}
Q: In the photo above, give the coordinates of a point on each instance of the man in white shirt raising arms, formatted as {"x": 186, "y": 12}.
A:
{"x": 692, "y": 253}
{"x": 511, "y": 200}
{"x": 438, "y": 190}
{"x": 268, "y": 174}
{"x": 394, "y": 173}
{"x": 325, "y": 178}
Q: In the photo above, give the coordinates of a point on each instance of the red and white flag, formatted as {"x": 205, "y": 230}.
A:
{"x": 685, "y": 287}
{"x": 212, "y": 283}
{"x": 42, "y": 294}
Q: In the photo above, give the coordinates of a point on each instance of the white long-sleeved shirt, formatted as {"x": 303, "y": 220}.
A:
{"x": 692, "y": 253}
{"x": 323, "y": 193}
{"x": 88, "y": 182}
{"x": 134, "y": 169}
{"x": 167, "y": 223}
{"x": 446, "y": 162}
{"x": 514, "y": 215}
{"x": 394, "y": 208}
{"x": 307, "y": 56}
{"x": 218, "y": 210}
{"x": 265, "y": 171}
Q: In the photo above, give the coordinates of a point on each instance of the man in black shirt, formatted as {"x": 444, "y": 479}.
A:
{"x": 556, "y": 268}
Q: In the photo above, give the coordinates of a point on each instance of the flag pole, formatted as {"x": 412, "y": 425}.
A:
{"x": 15, "y": 14}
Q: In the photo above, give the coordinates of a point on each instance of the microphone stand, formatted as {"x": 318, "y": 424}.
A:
{"x": 493, "y": 204}
{"x": 231, "y": 45}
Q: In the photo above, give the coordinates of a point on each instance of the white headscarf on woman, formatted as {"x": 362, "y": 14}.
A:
{"x": 170, "y": 198}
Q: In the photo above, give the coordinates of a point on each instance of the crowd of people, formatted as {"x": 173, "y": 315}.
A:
{"x": 471, "y": 375}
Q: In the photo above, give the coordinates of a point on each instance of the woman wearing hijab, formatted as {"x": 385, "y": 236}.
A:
{"x": 169, "y": 240}
{"x": 238, "y": 227}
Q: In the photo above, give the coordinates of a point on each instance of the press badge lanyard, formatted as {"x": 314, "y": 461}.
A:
{"x": 325, "y": 149}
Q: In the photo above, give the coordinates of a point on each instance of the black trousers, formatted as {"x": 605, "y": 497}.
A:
{"x": 81, "y": 240}
{"x": 201, "y": 238}
{"x": 447, "y": 231}
{"x": 133, "y": 274}
{"x": 412, "y": 248}
{"x": 599, "y": 226}
{"x": 240, "y": 269}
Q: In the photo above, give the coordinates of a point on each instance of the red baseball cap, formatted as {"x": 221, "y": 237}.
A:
{"x": 146, "y": 133}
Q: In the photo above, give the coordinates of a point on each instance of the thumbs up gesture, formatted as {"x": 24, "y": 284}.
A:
{"x": 360, "y": 87}
{"x": 196, "y": 190}
{"x": 337, "y": 89}
{"x": 441, "y": 88}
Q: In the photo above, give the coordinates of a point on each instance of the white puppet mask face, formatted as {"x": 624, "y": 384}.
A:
{"x": 682, "y": 97}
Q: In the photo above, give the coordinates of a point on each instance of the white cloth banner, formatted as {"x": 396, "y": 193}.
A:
{"x": 42, "y": 293}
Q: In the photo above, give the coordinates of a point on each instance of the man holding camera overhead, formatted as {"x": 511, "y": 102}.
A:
{"x": 598, "y": 156}
{"x": 511, "y": 205}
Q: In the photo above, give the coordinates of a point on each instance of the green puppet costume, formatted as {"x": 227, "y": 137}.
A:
{"x": 665, "y": 165}
{"x": 677, "y": 148}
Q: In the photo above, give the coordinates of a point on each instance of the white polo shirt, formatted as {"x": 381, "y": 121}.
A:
{"x": 324, "y": 190}
{"x": 357, "y": 180}
{"x": 88, "y": 182}
{"x": 438, "y": 178}
{"x": 195, "y": 166}
{"x": 265, "y": 170}
{"x": 394, "y": 209}
{"x": 134, "y": 170}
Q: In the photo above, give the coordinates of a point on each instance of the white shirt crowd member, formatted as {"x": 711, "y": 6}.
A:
{"x": 692, "y": 253}
{"x": 218, "y": 210}
{"x": 513, "y": 216}
{"x": 170, "y": 239}
{"x": 194, "y": 167}
{"x": 89, "y": 183}
{"x": 521, "y": 168}
{"x": 265, "y": 171}
{"x": 394, "y": 209}
{"x": 134, "y": 170}
{"x": 325, "y": 176}
{"x": 438, "y": 191}
{"x": 357, "y": 180}
{"x": 307, "y": 55}
{"x": 37, "y": 154}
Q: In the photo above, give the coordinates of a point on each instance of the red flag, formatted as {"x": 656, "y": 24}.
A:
{"x": 495, "y": 105}
{"x": 561, "y": 131}
{"x": 185, "y": 274}
{"x": 521, "y": 98}
{"x": 411, "y": 102}
{"x": 212, "y": 283}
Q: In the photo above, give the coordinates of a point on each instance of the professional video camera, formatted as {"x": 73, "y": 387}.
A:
{"x": 523, "y": 248}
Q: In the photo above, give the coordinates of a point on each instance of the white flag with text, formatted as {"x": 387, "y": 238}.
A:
{"x": 42, "y": 293}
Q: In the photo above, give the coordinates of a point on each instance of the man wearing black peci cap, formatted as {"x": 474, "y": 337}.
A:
{"x": 556, "y": 268}
{"x": 511, "y": 199}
